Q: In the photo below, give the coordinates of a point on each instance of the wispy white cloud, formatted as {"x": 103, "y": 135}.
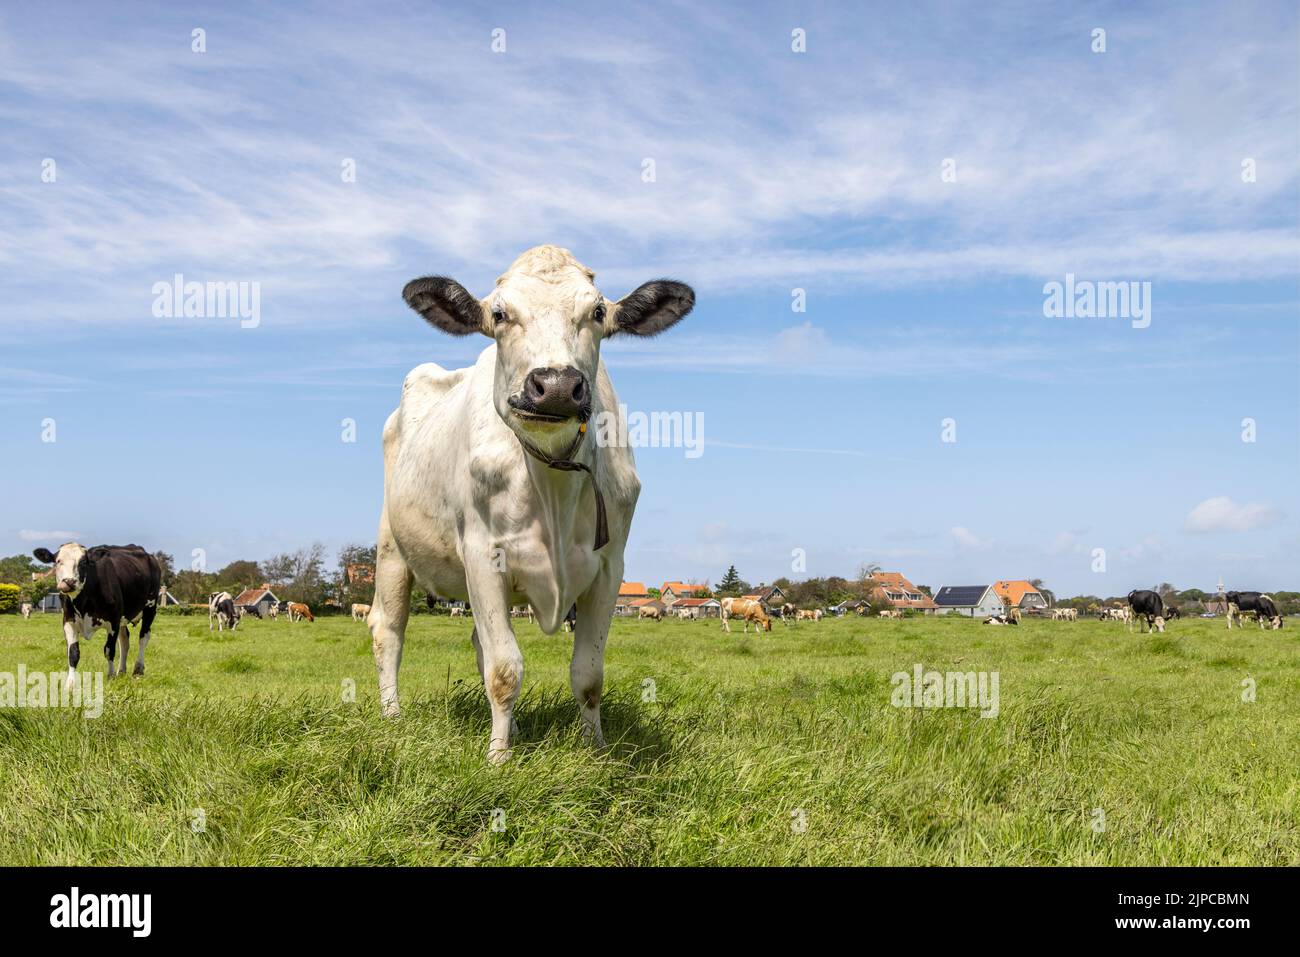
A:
{"x": 56, "y": 537}
{"x": 465, "y": 158}
{"x": 1222, "y": 514}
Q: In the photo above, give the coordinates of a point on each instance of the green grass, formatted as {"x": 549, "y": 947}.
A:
{"x": 743, "y": 735}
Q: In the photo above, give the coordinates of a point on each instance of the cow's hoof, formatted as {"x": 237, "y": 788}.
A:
{"x": 139, "y": 671}
{"x": 499, "y": 756}
{"x": 392, "y": 710}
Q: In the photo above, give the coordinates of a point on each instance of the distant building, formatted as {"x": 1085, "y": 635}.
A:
{"x": 260, "y": 598}
{"x": 769, "y": 596}
{"x": 361, "y": 574}
{"x": 675, "y": 590}
{"x": 629, "y": 592}
{"x": 1019, "y": 594}
{"x": 894, "y": 588}
{"x": 974, "y": 601}
{"x": 698, "y": 607}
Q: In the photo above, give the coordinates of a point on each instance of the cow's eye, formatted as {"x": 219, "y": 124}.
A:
{"x": 499, "y": 315}
{"x": 598, "y": 314}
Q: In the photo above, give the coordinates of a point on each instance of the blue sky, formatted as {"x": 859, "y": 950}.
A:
{"x": 774, "y": 170}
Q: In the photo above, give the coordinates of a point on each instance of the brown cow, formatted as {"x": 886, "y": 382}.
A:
{"x": 747, "y": 610}
{"x": 298, "y": 611}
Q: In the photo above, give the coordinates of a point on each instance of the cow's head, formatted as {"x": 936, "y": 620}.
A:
{"x": 71, "y": 566}
{"x": 548, "y": 320}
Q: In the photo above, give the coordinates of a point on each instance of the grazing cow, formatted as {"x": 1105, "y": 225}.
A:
{"x": 748, "y": 611}
{"x": 1261, "y": 605}
{"x": 254, "y": 610}
{"x": 493, "y": 494}
{"x": 226, "y": 613}
{"x": 273, "y": 610}
{"x": 806, "y": 615}
{"x": 114, "y": 583}
{"x": 359, "y": 612}
{"x": 213, "y": 601}
{"x": 1001, "y": 620}
{"x": 652, "y": 612}
{"x": 298, "y": 611}
{"x": 787, "y": 612}
{"x": 458, "y": 612}
{"x": 1145, "y": 605}
{"x": 26, "y": 609}
{"x": 1172, "y": 611}
{"x": 891, "y": 613}
{"x": 571, "y": 619}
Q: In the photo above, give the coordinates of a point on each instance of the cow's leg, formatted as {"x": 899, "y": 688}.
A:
{"x": 478, "y": 657}
{"x": 587, "y": 667}
{"x": 146, "y": 627}
{"x": 503, "y": 664}
{"x": 110, "y": 645}
{"x": 388, "y": 614}
{"x": 123, "y": 646}
{"x": 74, "y": 646}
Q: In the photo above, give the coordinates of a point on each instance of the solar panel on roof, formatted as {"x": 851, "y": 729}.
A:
{"x": 959, "y": 595}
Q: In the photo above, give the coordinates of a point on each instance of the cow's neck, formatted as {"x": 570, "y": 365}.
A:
{"x": 556, "y": 474}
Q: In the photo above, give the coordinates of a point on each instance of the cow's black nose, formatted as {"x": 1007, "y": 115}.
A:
{"x": 559, "y": 392}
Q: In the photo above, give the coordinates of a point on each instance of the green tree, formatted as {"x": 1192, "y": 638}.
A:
{"x": 17, "y": 569}
{"x": 168, "y": 566}
{"x": 730, "y": 584}
{"x": 1048, "y": 595}
{"x": 239, "y": 575}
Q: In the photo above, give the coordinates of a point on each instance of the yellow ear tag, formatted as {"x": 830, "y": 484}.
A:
{"x": 583, "y": 428}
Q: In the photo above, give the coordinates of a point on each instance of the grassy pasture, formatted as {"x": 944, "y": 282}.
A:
{"x": 773, "y": 749}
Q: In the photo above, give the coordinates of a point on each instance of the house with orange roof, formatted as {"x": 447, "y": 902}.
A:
{"x": 1019, "y": 594}
{"x": 697, "y": 608}
{"x": 629, "y": 592}
{"x": 769, "y": 596}
{"x": 894, "y": 588}
{"x": 261, "y": 598}
{"x": 675, "y": 590}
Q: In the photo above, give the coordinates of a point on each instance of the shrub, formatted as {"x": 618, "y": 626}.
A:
{"x": 10, "y": 596}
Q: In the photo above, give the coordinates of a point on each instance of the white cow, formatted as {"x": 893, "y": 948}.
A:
{"x": 26, "y": 609}
{"x": 493, "y": 490}
{"x": 359, "y": 612}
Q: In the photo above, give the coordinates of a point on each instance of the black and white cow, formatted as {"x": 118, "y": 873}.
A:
{"x": 226, "y": 612}
{"x": 115, "y": 584}
{"x": 1172, "y": 612}
{"x": 1146, "y": 606}
{"x": 1263, "y": 607}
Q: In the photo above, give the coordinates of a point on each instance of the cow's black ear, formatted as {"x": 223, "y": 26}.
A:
{"x": 445, "y": 304}
{"x": 44, "y": 556}
{"x": 652, "y": 307}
